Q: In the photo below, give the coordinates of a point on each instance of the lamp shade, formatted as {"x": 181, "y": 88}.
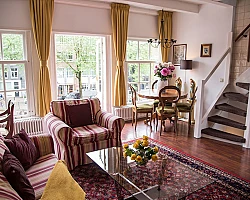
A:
{"x": 186, "y": 64}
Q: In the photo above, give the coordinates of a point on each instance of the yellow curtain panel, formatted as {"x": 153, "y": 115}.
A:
{"x": 119, "y": 17}
{"x": 167, "y": 17}
{"x": 41, "y": 12}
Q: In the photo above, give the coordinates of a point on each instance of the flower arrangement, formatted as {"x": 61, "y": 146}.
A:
{"x": 164, "y": 70}
{"x": 141, "y": 152}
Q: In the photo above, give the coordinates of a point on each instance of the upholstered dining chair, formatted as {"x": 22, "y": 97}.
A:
{"x": 139, "y": 108}
{"x": 187, "y": 107}
{"x": 164, "y": 111}
{"x": 7, "y": 117}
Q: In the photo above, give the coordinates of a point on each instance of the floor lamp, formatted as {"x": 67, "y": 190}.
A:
{"x": 186, "y": 65}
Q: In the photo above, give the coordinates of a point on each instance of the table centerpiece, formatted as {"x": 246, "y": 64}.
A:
{"x": 163, "y": 71}
{"x": 141, "y": 151}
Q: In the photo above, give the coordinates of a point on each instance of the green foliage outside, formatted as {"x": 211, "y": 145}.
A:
{"x": 12, "y": 46}
{"x": 77, "y": 53}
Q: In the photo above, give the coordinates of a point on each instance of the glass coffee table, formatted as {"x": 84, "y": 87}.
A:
{"x": 164, "y": 179}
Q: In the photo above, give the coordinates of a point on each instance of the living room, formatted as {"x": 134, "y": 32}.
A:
{"x": 194, "y": 23}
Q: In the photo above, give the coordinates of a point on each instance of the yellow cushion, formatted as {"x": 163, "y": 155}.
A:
{"x": 144, "y": 106}
{"x": 167, "y": 110}
{"x": 61, "y": 185}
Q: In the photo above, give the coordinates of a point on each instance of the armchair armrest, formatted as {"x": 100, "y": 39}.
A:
{"x": 60, "y": 131}
{"x": 43, "y": 143}
{"x": 108, "y": 120}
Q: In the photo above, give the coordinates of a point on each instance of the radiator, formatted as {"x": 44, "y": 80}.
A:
{"x": 32, "y": 126}
{"x": 126, "y": 113}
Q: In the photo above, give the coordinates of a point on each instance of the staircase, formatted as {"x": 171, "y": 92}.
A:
{"x": 229, "y": 122}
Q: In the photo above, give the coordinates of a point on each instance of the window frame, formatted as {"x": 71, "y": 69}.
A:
{"x": 106, "y": 60}
{"x": 27, "y": 62}
{"x": 127, "y": 62}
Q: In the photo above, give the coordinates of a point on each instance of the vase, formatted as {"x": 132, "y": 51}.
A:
{"x": 161, "y": 84}
{"x": 142, "y": 163}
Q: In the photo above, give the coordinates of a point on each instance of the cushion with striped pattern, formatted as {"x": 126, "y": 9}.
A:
{"x": 6, "y": 191}
{"x": 90, "y": 133}
{"x": 44, "y": 143}
{"x": 58, "y": 107}
{"x": 39, "y": 172}
{"x": 3, "y": 147}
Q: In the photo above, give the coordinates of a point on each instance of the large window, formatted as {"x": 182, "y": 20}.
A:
{"x": 140, "y": 62}
{"x": 13, "y": 66}
{"x": 79, "y": 64}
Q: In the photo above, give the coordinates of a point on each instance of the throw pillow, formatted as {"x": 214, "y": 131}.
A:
{"x": 61, "y": 185}
{"x": 15, "y": 174}
{"x": 23, "y": 149}
{"x": 79, "y": 115}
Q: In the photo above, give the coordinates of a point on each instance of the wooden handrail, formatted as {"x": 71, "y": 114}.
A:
{"x": 242, "y": 33}
{"x": 218, "y": 64}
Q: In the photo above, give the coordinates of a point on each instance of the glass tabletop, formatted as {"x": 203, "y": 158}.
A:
{"x": 164, "y": 179}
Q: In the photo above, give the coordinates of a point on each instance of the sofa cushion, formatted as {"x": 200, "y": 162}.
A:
{"x": 61, "y": 185}
{"x": 79, "y": 115}
{"x": 39, "y": 172}
{"x": 58, "y": 107}
{"x": 3, "y": 147}
{"x": 90, "y": 133}
{"x": 15, "y": 174}
{"x": 6, "y": 191}
{"x": 23, "y": 149}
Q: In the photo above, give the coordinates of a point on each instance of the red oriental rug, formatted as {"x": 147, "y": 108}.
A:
{"x": 99, "y": 186}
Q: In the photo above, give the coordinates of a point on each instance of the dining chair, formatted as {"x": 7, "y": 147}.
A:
{"x": 140, "y": 108}
{"x": 164, "y": 110}
{"x": 7, "y": 117}
{"x": 187, "y": 107}
{"x": 156, "y": 102}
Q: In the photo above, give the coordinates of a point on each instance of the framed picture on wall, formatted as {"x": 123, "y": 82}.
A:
{"x": 206, "y": 50}
{"x": 179, "y": 53}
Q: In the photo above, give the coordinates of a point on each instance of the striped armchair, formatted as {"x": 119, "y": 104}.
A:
{"x": 72, "y": 144}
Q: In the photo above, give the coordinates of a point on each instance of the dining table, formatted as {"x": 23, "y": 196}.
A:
{"x": 154, "y": 94}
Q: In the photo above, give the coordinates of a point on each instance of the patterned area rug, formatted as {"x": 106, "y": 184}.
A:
{"x": 183, "y": 172}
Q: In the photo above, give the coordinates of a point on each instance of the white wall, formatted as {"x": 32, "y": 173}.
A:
{"x": 211, "y": 25}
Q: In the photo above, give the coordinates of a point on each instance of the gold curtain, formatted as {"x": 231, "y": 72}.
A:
{"x": 41, "y": 13}
{"x": 167, "y": 17}
{"x": 119, "y": 16}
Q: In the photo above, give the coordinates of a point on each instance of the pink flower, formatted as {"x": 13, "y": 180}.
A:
{"x": 165, "y": 72}
{"x": 171, "y": 67}
{"x": 156, "y": 66}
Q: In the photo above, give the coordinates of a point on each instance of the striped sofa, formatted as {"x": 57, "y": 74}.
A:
{"x": 72, "y": 144}
{"x": 37, "y": 174}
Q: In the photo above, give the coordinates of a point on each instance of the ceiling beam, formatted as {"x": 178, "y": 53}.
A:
{"x": 154, "y": 5}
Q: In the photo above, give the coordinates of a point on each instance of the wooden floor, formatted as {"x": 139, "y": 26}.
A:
{"x": 232, "y": 158}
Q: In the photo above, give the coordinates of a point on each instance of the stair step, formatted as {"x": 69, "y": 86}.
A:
{"x": 228, "y": 108}
{"x": 243, "y": 85}
{"x": 223, "y": 135}
{"x": 228, "y": 122}
{"x": 236, "y": 96}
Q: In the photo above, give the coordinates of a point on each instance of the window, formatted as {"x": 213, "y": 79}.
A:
{"x": 14, "y": 64}
{"x": 79, "y": 62}
{"x": 140, "y": 61}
